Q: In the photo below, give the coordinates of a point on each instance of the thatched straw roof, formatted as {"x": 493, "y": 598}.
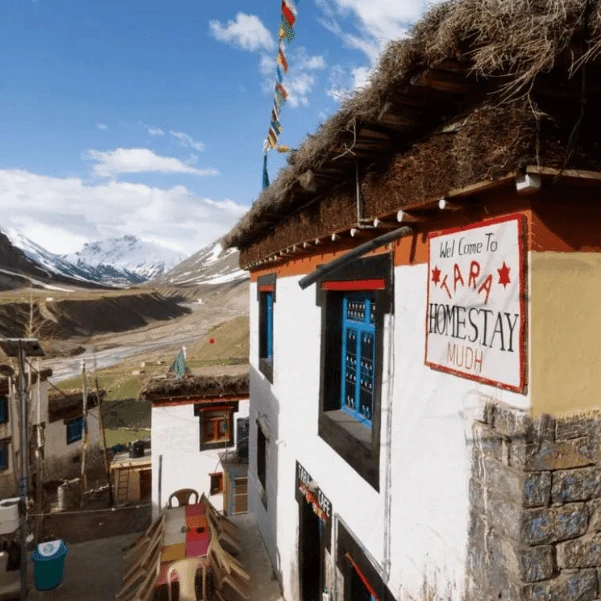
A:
{"x": 203, "y": 387}
{"x": 463, "y": 53}
{"x": 68, "y": 404}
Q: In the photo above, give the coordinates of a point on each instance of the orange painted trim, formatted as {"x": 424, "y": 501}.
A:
{"x": 267, "y": 288}
{"x": 197, "y": 401}
{"x": 355, "y": 285}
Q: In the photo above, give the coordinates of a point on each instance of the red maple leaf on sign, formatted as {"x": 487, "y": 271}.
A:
{"x": 504, "y": 275}
{"x": 436, "y": 275}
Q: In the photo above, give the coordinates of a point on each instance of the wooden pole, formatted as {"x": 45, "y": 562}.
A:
{"x": 84, "y": 432}
{"x": 39, "y": 460}
{"x": 107, "y": 467}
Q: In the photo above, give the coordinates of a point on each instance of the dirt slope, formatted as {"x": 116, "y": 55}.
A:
{"x": 66, "y": 318}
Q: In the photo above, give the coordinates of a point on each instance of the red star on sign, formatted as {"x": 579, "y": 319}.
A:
{"x": 504, "y": 275}
{"x": 436, "y": 275}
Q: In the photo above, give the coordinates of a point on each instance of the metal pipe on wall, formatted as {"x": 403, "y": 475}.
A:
{"x": 355, "y": 253}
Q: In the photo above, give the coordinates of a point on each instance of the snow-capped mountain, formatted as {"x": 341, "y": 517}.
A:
{"x": 49, "y": 263}
{"x": 211, "y": 265}
{"x": 114, "y": 262}
{"x": 125, "y": 260}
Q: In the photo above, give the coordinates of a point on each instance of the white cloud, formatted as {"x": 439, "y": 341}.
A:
{"x": 101, "y": 126}
{"x": 299, "y": 87}
{"x": 155, "y": 131}
{"x": 245, "y": 31}
{"x": 187, "y": 141}
{"x": 367, "y": 25}
{"x": 139, "y": 160}
{"x": 61, "y": 214}
{"x": 343, "y": 82}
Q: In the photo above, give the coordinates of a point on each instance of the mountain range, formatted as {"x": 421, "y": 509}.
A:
{"x": 115, "y": 262}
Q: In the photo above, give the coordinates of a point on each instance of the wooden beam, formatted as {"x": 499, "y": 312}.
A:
{"x": 404, "y": 217}
{"x": 385, "y": 223}
{"x": 443, "y": 81}
{"x": 445, "y": 205}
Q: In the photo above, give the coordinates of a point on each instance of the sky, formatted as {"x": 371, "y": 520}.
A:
{"x": 148, "y": 117}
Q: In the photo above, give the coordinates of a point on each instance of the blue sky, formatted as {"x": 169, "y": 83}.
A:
{"x": 148, "y": 117}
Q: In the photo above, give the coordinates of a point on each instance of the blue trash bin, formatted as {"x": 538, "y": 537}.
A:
{"x": 49, "y": 564}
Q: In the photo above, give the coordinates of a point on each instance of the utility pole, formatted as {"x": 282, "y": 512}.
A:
{"x": 39, "y": 457}
{"x": 84, "y": 432}
{"x": 20, "y": 348}
{"x": 107, "y": 467}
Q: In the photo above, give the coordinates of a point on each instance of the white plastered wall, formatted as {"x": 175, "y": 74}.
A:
{"x": 426, "y": 472}
{"x": 175, "y": 435}
{"x": 59, "y": 457}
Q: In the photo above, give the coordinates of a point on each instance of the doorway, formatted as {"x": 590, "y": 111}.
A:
{"x": 310, "y": 553}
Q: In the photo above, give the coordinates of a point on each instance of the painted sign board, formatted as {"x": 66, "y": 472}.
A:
{"x": 475, "y": 318}
{"x": 314, "y": 495}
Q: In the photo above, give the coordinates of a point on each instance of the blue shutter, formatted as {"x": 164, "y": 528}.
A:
{"x": 74, "y": 429}
{"x": 3, "y": 409}
{"x": 269, "y": 300}
{"x": 358, "y": 355}
{"x": 3, "y": 456}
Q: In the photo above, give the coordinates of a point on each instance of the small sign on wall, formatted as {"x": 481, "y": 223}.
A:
{"x": 475, "y": 318}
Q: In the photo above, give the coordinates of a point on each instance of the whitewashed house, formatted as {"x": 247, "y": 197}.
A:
{"x": 63, "y": 433}
{"x": 59, "y": 418}
{"x": 199, "y": 437}
{"x": 425, "y": 324}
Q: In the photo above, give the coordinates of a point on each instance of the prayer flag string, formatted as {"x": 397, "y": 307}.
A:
{"x": 280, "y": 93}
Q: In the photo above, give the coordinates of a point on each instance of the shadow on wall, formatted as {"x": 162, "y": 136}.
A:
{"x": 264, "y": 415}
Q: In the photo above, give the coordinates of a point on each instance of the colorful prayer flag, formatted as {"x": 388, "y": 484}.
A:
{"x": 277, "y": 127}
{"x": 282, "y": 60}
{"x": 286, "y": 32}
{"x": 288, "y": 15}
{"x": 265, "y": 174}
{"x": 283, "y": 148}
{"x": 279, "y": 74}
{"x": 273, "y": 139}
{"x": 282, "y": 90}
{"x": 179, "y": 366}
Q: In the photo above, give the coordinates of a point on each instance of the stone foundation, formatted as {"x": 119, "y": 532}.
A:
{"x": 535, "y": 517}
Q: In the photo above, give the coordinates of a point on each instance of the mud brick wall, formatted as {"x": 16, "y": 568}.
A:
{"x": 535, "y": 507}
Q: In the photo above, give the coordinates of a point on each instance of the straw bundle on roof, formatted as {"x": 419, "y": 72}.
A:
{"x": 462, "y": 54}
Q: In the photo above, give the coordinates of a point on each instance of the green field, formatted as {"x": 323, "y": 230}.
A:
{"x": 126, "y": 417}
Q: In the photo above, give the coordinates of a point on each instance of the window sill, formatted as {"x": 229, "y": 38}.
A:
{"x": 353, "y": 441}
{"x": 224, "y": 444}
{"x": 266, "y": 368}
{"x": 360, "y": 432}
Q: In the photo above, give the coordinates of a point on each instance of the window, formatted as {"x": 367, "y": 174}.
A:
{"x": 262, "y": 462}
{"x": 266, "y": 298}
{"x": 216, "y": 483}
{"x": 3, "y": 456}
{"x": 358, "y": 355}
{"x": 354, "y": 301}
{"x": 216, "y": 428}
{"x": 74, "y": 430}
{"x": 266, "y": 326}
{"x": 3, "y": 409}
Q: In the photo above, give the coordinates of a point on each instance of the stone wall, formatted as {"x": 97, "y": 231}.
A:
{"x": 535, "y": 518}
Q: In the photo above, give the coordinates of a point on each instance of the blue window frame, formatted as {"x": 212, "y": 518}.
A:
{"x": 3, "y": 456}
{"x": 358, "y": 355}
{"x": 74, "y": 430}
{"x": 266, "y": 325}
{"x": 3, "y": 409}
